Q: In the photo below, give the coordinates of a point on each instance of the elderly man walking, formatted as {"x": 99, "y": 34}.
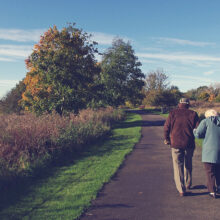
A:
{"x": 178, "y": 133}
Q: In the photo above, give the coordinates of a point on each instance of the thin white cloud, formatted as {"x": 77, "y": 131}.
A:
{"x": 178, "y": 57}
{"x": 208, "y": 73}
{"x": 105, "y": 39}
{"x": 184, "y": 42}
{"x": 6, "y": 59}
{"x": 6, "y": 86}
{"x": 101, "y": 38}
{"x": 6, "y": 83}
{"x": 186, "y": 85}
{"x": 15, "y": 51}
{"x": 148, "y": 61}
{"x": 190, "y": 82}
{"x": 152, "y": 49}
{"x": 194, "y": 78}
{"x": 20, "y": 35}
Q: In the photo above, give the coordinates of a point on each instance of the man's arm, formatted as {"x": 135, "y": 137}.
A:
{"x": 167, "y": 127}
{"x": 196, "y": 120}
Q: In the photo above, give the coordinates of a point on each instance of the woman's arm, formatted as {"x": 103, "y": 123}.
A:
{"x": 200, "y": 131}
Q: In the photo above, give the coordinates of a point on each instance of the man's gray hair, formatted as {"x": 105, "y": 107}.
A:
{"x": 211, "y": 112}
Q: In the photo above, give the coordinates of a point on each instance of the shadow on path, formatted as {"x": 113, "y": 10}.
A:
{"x": 103, "y": 206}
{"x": 199, "y": 187}
{"x": 140, "y": 123}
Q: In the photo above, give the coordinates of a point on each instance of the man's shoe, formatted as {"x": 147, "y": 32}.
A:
{"x": 218, "y": 189}
{"x": 182, "y": 194}
{"x": 213, "y": 195}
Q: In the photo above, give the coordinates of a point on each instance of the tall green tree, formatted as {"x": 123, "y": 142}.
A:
{"x": 62, "y": 71}
{"x": 121, "y": 75}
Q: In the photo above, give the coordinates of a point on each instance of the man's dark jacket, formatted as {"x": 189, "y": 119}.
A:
{"x": 178, "y": 128}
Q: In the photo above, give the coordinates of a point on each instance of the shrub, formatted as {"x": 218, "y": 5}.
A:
{"x": 27, "y": 140}
{"x": 10, "y": 102}
{"x": 217, "y": 99}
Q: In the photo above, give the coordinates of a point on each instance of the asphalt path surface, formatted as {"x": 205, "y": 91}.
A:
{"x": 144, "y": 189}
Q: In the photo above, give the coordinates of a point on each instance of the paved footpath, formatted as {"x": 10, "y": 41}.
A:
{"x": 143, "y": 188}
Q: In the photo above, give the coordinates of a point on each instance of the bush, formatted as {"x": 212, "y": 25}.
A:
{"x": 10, "y": 103}
{"x": 27, "y": 141}
{"x": 217, "y": 99}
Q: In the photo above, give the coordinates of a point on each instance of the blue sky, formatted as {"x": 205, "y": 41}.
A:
{"x": 182, "y": 37}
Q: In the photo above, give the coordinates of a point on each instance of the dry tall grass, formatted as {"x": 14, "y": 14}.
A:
{"x": 27, "y": 139}
{"x": 200, "y": 106}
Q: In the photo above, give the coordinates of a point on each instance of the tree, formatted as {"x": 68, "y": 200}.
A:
{"x": 204, "y": 96}
{"x": 10, "y": 103}
{"x": 156, "y": 80}
{"x": 121, "y": 75}
{"x": 201, "y": 93}
{"x": 191, "y": 94}
{"x": 174, "y": 90}
{"x": 158, "y": 92}
{"x": 162, "y": 98}
{"x": 61, "y": 72}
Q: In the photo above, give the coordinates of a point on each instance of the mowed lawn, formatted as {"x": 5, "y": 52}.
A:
{"x": 64, "y": 192}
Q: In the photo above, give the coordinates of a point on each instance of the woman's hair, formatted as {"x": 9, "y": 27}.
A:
{"x": 211, "y": 112}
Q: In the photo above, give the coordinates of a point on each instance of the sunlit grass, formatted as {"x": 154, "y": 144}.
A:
{"x": 164, "y": 115}
{"x": 199, "y": 142}
{"x": 68, "y": 190}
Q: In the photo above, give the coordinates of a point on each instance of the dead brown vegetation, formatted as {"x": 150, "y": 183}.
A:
{"x": 201, "y": 106}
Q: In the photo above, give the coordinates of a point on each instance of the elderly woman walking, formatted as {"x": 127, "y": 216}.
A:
{"x": 209, "y": 129}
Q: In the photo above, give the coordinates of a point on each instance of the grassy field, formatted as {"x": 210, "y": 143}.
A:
{"x": 65, "y": 191}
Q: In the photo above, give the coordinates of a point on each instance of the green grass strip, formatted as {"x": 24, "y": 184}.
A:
{"x": 199, "y": 142}
{"x": 68, "y": 190}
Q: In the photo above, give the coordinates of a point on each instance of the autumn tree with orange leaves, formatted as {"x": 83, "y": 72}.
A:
{"x": 62, "y": 72}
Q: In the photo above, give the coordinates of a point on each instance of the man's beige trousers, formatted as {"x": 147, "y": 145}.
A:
{"x": 182, "y": 166}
